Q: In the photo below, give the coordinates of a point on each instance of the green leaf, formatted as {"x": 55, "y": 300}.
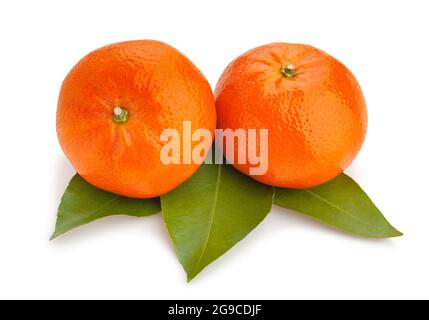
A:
{"x": 82, "y": 203}
{"x": 211, "y": 212}
{"x": 341, "y": 204}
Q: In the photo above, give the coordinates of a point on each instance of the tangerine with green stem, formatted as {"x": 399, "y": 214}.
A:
{"x": 311, "y": 104}
{"x": 114, "y": 105}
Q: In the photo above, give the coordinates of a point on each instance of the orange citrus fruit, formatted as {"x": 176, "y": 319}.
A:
{"x": 114, "y": 105}
{"x": 310, "y": 103}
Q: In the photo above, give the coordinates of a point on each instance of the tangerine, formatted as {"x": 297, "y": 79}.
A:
{"x": 114, "y": 105}
{"x": 311, "y": 104}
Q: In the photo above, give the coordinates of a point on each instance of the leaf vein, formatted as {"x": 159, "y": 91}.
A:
{"x": 104, "y": 205}
{"x": 212, "y": 214}
{"x": 342, "y": 210}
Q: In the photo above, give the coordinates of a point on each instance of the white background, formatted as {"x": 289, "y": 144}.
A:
{"x": 385, "y": 44}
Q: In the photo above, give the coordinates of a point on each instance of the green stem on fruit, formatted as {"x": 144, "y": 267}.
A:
{"x": 288, "y": 70}
{"x": 120, "y": 115}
